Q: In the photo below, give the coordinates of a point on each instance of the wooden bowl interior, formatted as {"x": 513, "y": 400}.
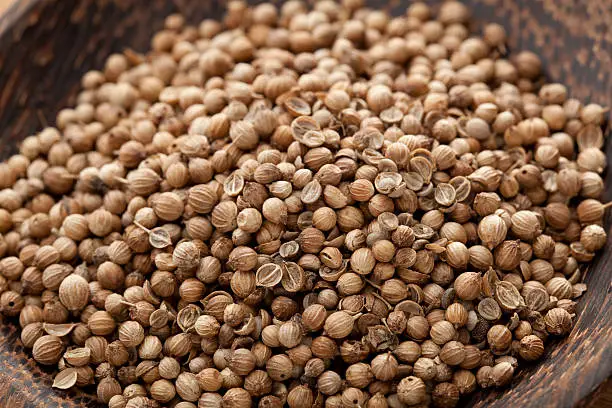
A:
{"x": 47, "y": 45}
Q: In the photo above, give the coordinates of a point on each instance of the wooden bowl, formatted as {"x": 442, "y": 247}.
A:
{"x": 46, "y": 46}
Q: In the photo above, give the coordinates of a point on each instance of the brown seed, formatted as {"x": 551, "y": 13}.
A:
{"x": 362, "y": 190}
{"x": 525, "y": 225}
{"x": 300, "y": 396}
{"x": 559, "y": 287}
{"x": 75, "y": 227}
{"x": 242, "y": 258}
{"x": 411, "y": 390}
{"x": 258, "y": 383}
{"x": 456, "y": 314}
{"x": 207, "y": 326}
{"x": 502, "y": 373}
{"x": 492, "y": 230}
{"x": 329, "y": 383}
{"x": 541, "y": 270}
{"x": 108, "y": 388}
{"x": 442, "y": 332}
{"x": 289, "y": 334}
{"x": 452, "y": 353}
{"x": 444, "y": 156}
{"x": 425, "y": 367}
{"x": 168, "y": 206}
{"x": 48, "y": 350}
{"x": 162, "y": 390}
{"x": 202, "y": 198}
{"x": 339, "y": 325}
{"x": 224, "y": 216}
{"x": 507, "y": 255}
{"x": 445, "y": 395}
{"x": 74, "y": 292}
{"x": 593, "y": 237}
{"x": 531, "y": 347}
{"x": 384, "y": 367}
{"x": 242, "y": 361}
{"x": 558, "y": 321}
{"x": 131, "y": 333}
{"x": 324, "y": 219}
{"x": 275, "y": 210}
{"x": 363, "y": 261}
{"x": 499, "y": 338}
{"x": 311, "y": 240}
{"x": 100, "y": 222}
{"x": 249, "y": 220}
{"x": 314, "y": 317}
{"x": 279, "y": 367}
{"x": 159, "y": 238}
{"x": 101, "y": 323}
{"x": 457, "y": 255}
{"x": 467, "y": 285}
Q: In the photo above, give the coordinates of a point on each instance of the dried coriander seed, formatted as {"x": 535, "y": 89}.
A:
{"x": 74, "y": 292}
{"x": 558, "y": 321}
{"x": 531, "y": 347}
{"x": 47, "y": 350}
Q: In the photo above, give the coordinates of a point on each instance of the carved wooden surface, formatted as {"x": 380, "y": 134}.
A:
{"x": 46, "y": 45}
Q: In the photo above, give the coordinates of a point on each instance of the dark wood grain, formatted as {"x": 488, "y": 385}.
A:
{"x": 46, "y": 45}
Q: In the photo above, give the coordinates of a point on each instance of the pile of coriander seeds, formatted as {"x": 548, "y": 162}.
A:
{"x": 304, "y": 206}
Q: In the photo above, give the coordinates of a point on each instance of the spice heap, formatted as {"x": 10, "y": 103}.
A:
{"x": 328, "y": 207}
